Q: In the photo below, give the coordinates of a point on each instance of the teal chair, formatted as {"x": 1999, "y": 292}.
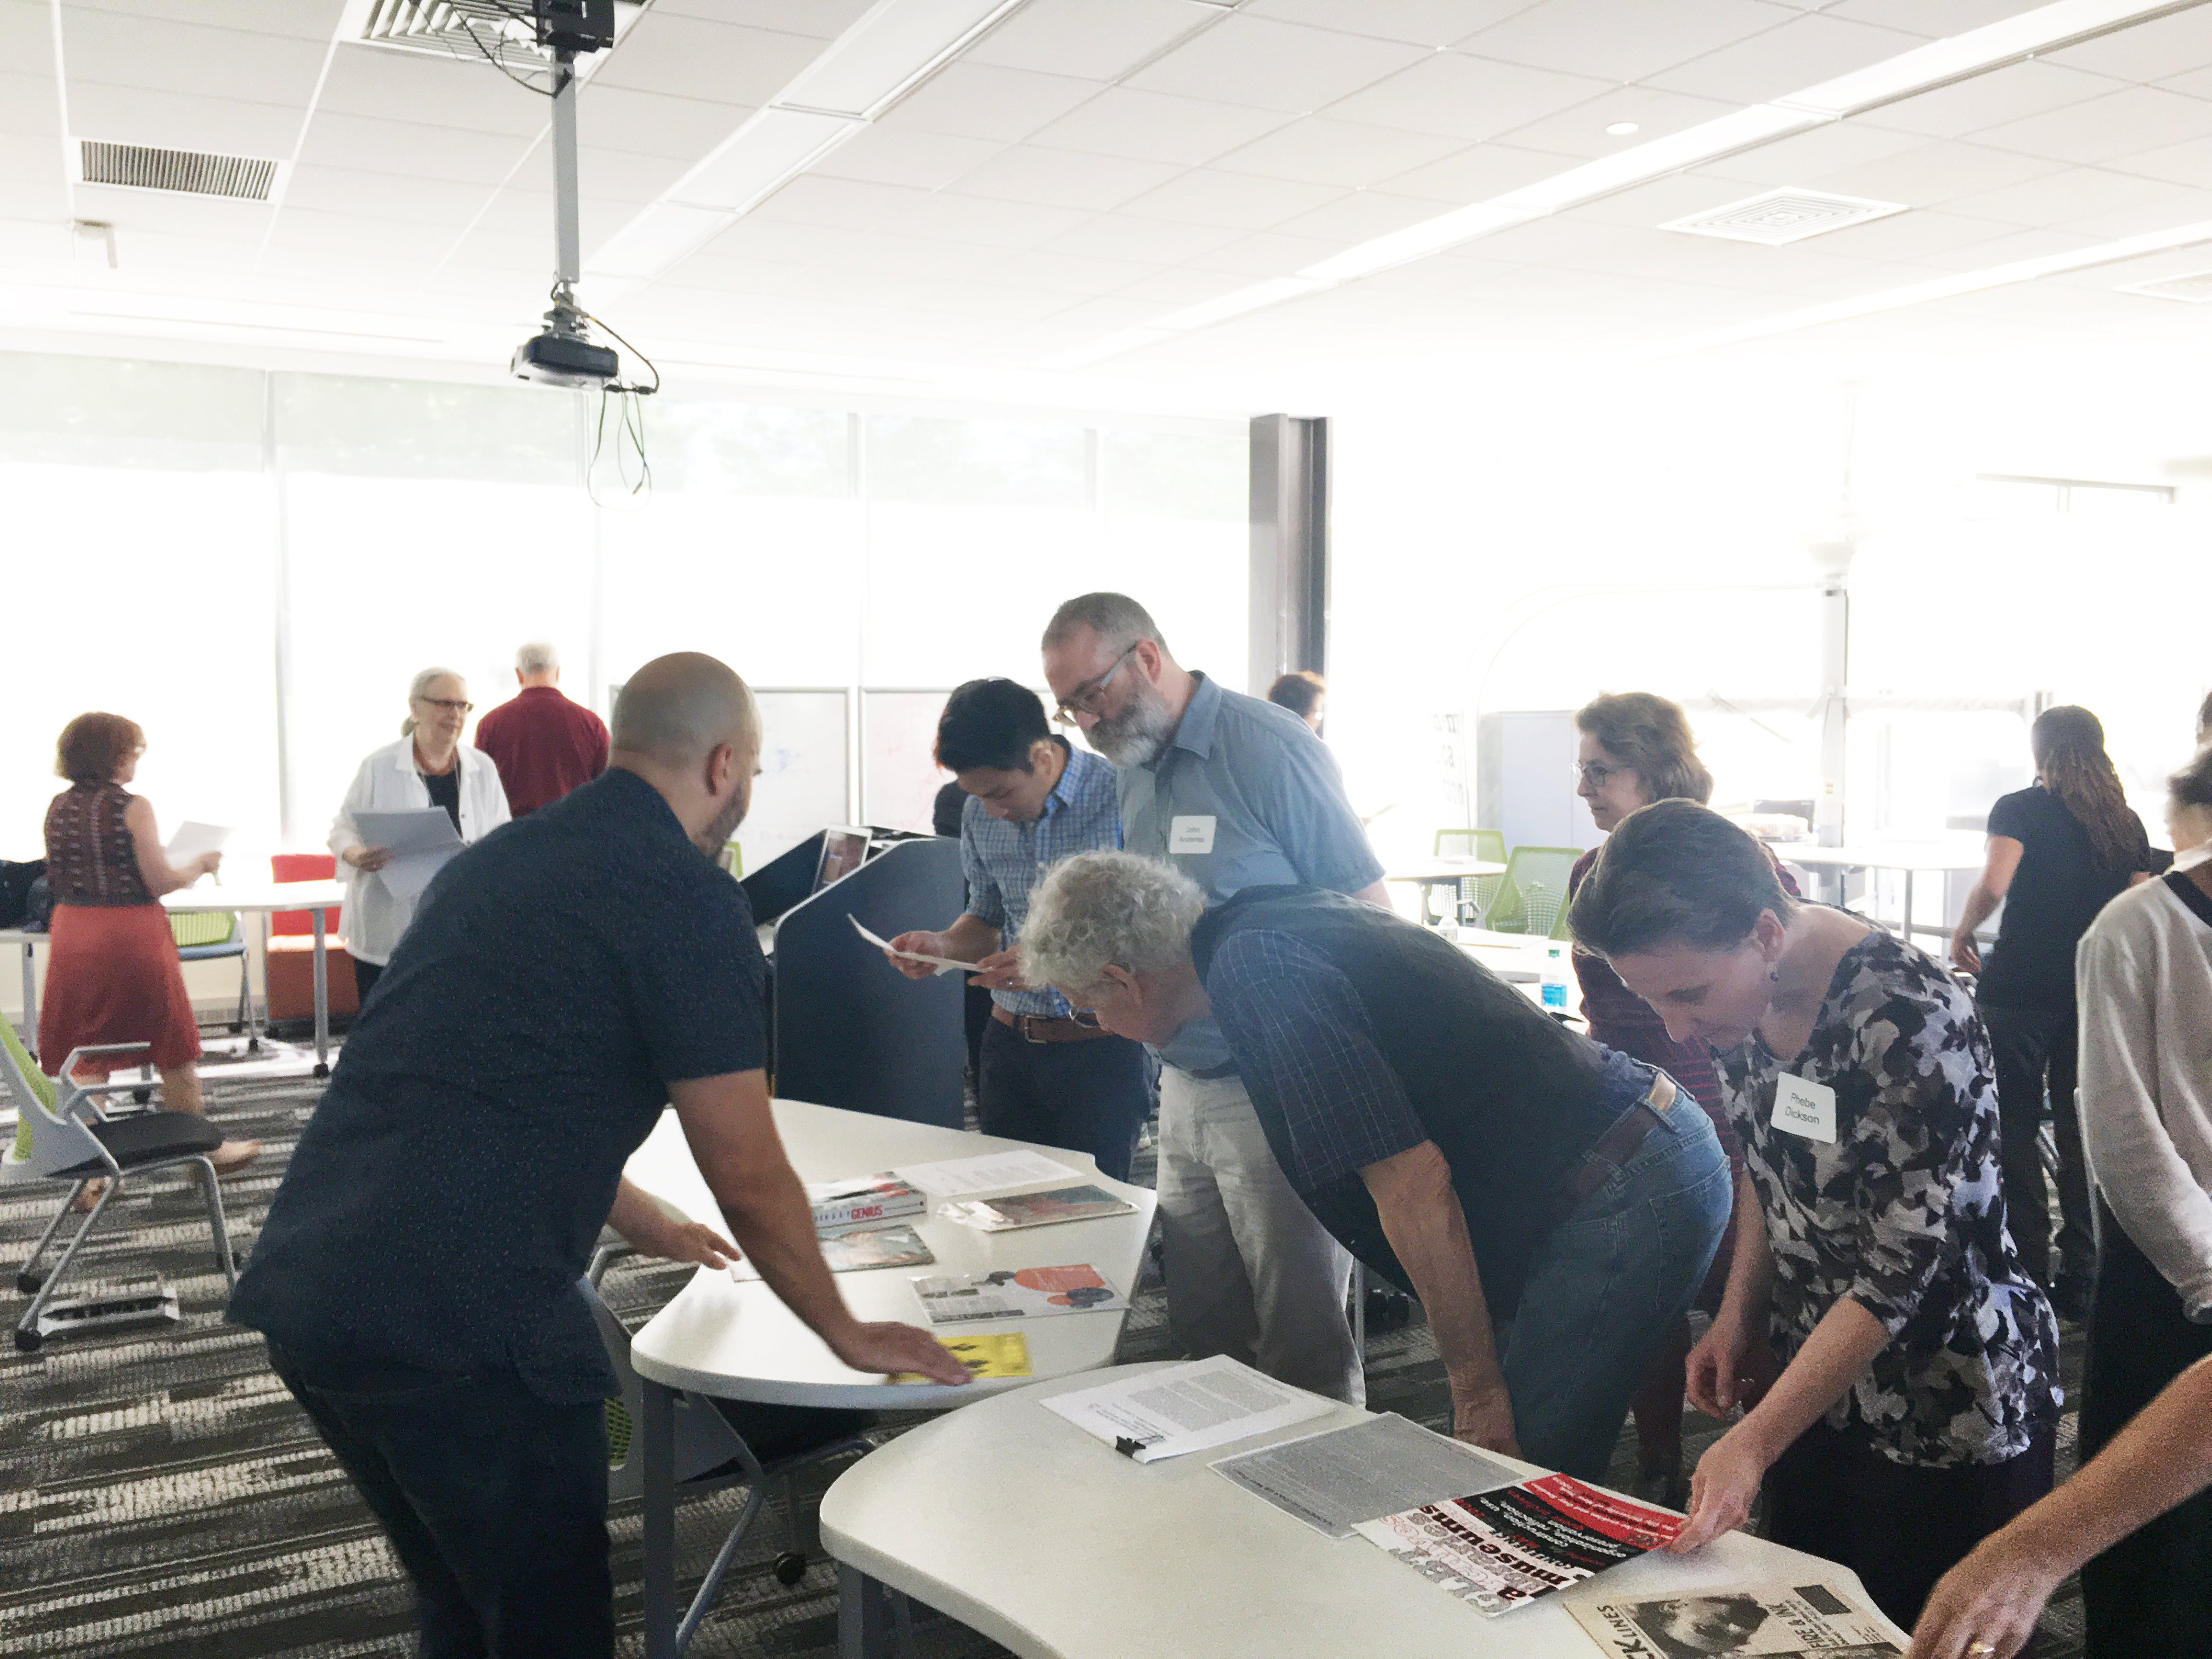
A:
{"x": 1476, "y": 893}
{"x": 1533, "y": 898}
{"x": 206, "y": 935}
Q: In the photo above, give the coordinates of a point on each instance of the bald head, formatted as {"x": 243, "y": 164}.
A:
{"x": 677, "y": 710}
{"x": 689, "y": 726}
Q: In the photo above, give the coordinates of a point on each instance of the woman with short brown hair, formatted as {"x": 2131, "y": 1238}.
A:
{"x": 113, "y": 974}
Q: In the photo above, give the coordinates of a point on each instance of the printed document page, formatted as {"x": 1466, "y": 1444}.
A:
{"x": 1334, "y": 1480}
{"x": 1186, "y": 1408}
{"x": 993, "y": 1172}
{"x": 421, "y": 839}
{"x": 943, "y": 964}
{"x": 193, "y": 839}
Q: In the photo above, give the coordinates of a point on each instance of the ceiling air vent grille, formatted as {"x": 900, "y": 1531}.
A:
{"x": 494, "y": 31}
{"x": 194, "y": 172}
{"x": 2193, "y": 288}
{"x": 1777, "y": 217}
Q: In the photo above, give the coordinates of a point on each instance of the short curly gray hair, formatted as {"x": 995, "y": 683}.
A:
{"x": 1098, "y": 908}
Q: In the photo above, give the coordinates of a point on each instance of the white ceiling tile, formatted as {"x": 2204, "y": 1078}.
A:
{"x": 915, "y": 256}
{"x": 2069, "y": 193}
{"x": 410, "y": 86}
{"x": 2188, "y": 163}
{"x": 1272, "y": 65}
{"x": 2196, "y": 83}
{"x": 1997, "y": 250}
{"x": 30, "y": 156}
{"x": 384, "y": 196}
{"x": 1648, "y": 205}
{"x": 1467, "y": 97}
{"x": 611, "y": 175}
{"x": 30, "y": 104}
{"x": 1422, "y": 22}
{"x": 1129, "y": 236}
{"x": 1321, "y": 151}
{"x": 1062, "y": 178}
{"x": 651, "y": 123}
{"x": 980, "y": 101}
{"x": 1803, "y": 156}
{"x": 1098, "y": 39}
{"x": 311, "y": 20}
{"x": 824, "y": 18}
{"x": 1107, "y": 314}
{"x": 811, "y": 199}
{"x": 1581, "y": 132}
{"x": 1479, "y": 173}
{"x": 777, "y": 242}
{"x": 2187, "y": 207}
{"x": 26, "y": 33}
{"x": 2149, "y": 51}
{"x": 1000, "y": 224}
{"x": 167, "y": 211}
{"x": 691, "y": 57}
{"x": 410, "y": 149}
{"x": 1984, "y": 100}
{"x": 1065, "y": 273}
{"x": 1208, "y": 197}
{"x": 1155, "y": 126}
{"x": 116, "y": 50}
{"x": 1359, "y": 216}
{"x": 1938, "y": 19}
{"x": 2119, "y": 124}
{"x": 884, "y": 155}
{"x": 1931, "y": 175}
{"x": 1803, "y": 52}
{"x": 1621, "y": 39}
{"x": 1915, "y": 235}
{"x": 1267, "y": 253}
{"x": 34, "y": 198}
{"x": 144, "y": 251}
{"x": 182, "y": 120}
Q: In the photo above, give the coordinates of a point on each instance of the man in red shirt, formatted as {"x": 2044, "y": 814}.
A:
{"x": 544, "y": 745}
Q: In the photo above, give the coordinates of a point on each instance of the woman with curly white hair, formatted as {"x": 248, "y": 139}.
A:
{"x": 1553, "y": 1203}
{"x": 429, "y": 766}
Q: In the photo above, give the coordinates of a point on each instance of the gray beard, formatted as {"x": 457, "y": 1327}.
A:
{"x": 1136, "y": 736}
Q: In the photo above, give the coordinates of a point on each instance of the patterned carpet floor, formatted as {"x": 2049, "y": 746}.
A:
{"x": 160, "y": 1494}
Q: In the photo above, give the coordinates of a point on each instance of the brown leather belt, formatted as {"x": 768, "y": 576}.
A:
{"x": 1615, "y": 1147}
{"x": 1044, "y": 1028}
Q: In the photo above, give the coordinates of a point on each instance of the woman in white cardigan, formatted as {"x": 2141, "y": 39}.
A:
{"x": 2144, "y": 978}
{"x": 429, "y": 766}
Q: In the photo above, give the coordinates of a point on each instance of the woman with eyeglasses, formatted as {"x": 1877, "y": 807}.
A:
{"x": 428, "y": 767}
{"x": 1637, "y": 748}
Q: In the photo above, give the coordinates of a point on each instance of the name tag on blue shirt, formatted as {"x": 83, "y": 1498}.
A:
{"x": 1802, "y": 1107}
{"x": 1190, "y": 835}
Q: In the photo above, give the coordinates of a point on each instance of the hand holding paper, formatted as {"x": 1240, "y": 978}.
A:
{"x": 420, "y": 839}
{"x": 943, "y": 965}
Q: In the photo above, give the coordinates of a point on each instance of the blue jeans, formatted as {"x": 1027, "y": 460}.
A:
{"x": 1608, "y": 1287}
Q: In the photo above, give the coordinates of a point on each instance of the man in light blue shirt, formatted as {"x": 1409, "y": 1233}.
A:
{"x": 1234, "y": 793}
{"x": 1034, "y": 800}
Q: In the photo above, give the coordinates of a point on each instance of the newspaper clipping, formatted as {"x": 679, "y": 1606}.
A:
{"x": 1772, "y": 1620}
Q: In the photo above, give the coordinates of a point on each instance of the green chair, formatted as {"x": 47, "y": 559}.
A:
{"x": 62, "y": 1139}
{"x": 1533, "y": 898}
{"x": 1476, "y": 893}
{"x": 205, "y": 935}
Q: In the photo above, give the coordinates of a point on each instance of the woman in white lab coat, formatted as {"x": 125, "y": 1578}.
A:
{"x": 429, "y": 766}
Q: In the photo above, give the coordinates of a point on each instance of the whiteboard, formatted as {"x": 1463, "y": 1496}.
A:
{"x": 899, "y": 774}
{"x": 802, "y": 785}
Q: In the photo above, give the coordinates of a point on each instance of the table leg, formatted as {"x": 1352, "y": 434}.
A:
{"x": 322, "y": 997}
{"x": 658, "y": 1450}
{"x": 253, "y": 1014}
{"x": 865, "y": 1625}
{"x": 31, "y": 997}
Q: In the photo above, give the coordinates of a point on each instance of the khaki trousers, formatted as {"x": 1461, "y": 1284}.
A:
{"x": 1250, "y": 1274}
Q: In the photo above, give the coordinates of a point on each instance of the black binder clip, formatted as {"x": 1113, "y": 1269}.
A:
{"x": 1128, "y": 1447}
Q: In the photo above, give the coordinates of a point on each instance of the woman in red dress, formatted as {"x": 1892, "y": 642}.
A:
{"x": 113, "y": 974}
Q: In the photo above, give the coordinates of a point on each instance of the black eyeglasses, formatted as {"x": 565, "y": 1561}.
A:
{"x": 1085, "y": 699}
{"x": 451, "y": 705}
{"x": 1596, "y": 774}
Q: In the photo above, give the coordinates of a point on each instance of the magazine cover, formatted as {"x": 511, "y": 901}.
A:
{"x": 1498, "y": 1550}
{"x": 996, "y": 1215}
{"x": 1769, "y": 1620}
{"x": 985, "y": 1356}
{"x": 858, "y": 1202}
{"x": 873, "y": 1247}
{"x": 1016, "y": 1293}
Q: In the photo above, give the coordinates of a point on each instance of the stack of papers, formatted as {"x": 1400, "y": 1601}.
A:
{"x": 856, "y": 1203}
{"x": 1334, "y": 1481}
{"x": 1016, "y": 1293}
{"x": 993, "y": 1172}
{"x": 998, "y": 1215}
{"x": 422, "y": 842}
{"x": 1781, "y": 1620}
{"x": 1186, "y": 1408}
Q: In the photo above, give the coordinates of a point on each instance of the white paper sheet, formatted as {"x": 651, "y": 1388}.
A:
{"x": 1186, "y": 1408}
{"x": 943, "y": 964}
{"x": 193, "y": 839}
{"x": 993, "y": 1172}
{"x": 1337, "y": 1478}
{"x": 422, "y": 839}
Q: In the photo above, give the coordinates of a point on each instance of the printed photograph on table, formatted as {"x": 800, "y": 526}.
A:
{"x": 862, "y": 1248}
{"x": 986, "y": 1357}
{"x": 1018, "y": 1293}
{"x": 1769, "y": 1620}
{"x": 996, "y": 1215}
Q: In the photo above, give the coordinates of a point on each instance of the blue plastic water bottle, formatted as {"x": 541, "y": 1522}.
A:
{"x": 1555, "y": 979}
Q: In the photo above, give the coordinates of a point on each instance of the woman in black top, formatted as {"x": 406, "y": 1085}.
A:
{"x": 2060, "y": 850}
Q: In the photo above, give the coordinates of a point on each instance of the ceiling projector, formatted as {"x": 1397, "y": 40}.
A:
{"x": 565, "y": 354}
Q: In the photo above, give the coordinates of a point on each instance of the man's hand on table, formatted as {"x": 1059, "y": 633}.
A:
{"x": 672, "y": 1240}
{"x": 887, "y": 1345}
{"x": 1486, "y": 1423}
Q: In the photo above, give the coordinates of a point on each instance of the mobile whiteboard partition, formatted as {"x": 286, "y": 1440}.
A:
{"x": 899, "y": 774}
{"x": 802, "y": 781}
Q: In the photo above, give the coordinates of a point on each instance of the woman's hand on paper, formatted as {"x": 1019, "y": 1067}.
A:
{"x": 368, "y": 858}
{"x": 1994, "y": 1596}
{"x": 889, "y": 1347}
{"x": 999, "y": 972}
{"x": 920, "y": 943}
{"x": 1722, "y": 1490}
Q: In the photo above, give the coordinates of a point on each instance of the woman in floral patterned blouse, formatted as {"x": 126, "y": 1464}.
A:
{"x": 1918, "y": 1408}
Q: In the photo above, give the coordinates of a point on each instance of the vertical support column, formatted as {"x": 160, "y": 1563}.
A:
{"x": 272, "y": 465}
{"x": 1289, "y": 573}
{"x": 568, "y": 237}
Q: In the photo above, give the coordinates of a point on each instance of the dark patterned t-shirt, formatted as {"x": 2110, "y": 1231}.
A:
{"x": 1904, "y": 1212}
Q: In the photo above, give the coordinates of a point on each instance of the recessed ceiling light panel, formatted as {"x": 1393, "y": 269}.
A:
{"x": 1621, "y": 129}
{"x": 2193, "y": 288}
{"x": 1776, "y": 216}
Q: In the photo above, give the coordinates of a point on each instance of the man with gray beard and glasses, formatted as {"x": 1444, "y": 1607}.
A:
{"x": 1234, "y": 793}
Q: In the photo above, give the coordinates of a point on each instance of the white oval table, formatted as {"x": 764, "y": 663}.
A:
{"x": 736, "y": 1340}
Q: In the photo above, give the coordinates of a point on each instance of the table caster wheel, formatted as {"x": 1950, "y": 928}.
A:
{"x": 142, "y": 1095}
{"x": 790, "y": 1568}
{"x": 28, "y": 1282}
{"x": 30, "y": 1341}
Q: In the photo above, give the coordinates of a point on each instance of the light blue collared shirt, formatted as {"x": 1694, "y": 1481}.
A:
{"x": 1003, "y": 861}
